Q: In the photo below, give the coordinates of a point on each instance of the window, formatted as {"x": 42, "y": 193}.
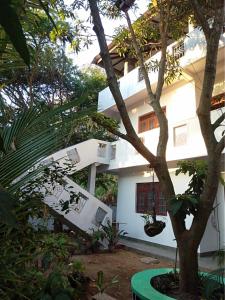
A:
{"x": 180, "y": 135}
{"x": 148, "y": 194}
{"x": 148, "y": 121}
{"x": 101, "y": 149}
{"x": 218, "y": 101}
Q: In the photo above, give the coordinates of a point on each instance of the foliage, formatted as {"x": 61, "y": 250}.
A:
{"x": 172, "y": 68}
{"x": 51, "y": 80}
{"x": 18, "y": 252}
{"x": 147, "y": 218}
{"x": 55, "y": 248}
{"x": 77, "y": 279}
{"x": 187, "y": 203}
{"x": 57, "y": 287}
{"x": 33, "y": 135}
{"x": 100, "y": 282}
{"x": 27, "y": 18}
{"x": 147, "y": 32}
{"x": 28, "y": 253}
{"x": 97, "y": 237}
{"x": 112, "y": 234}
{"x": 12, "y": 26}
{"x": 105, "y": 185}
{"x": 213, "y": 284}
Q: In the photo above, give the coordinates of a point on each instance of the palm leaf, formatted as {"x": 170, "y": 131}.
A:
{"x": 32, "y": 137}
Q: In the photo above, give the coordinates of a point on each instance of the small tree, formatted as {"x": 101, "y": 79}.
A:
{"x": 210, "y": 16}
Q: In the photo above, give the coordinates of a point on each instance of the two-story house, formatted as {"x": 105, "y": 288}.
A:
{"x": 180, "y": 100}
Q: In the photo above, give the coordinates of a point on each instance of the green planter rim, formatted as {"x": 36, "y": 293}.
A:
{"x": 141, "y": 287}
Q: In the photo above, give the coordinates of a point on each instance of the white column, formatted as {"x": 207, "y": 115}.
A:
{"x": 91, "y": 179}
{"x": 126, "y": 68}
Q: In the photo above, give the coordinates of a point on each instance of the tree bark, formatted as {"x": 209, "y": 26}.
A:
{"x": 188, "y": 261}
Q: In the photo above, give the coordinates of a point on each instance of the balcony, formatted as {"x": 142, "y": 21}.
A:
{"x": 190, "y": 51}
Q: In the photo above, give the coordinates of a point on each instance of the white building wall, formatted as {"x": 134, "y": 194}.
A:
{"x": 214, "y": 237}
{"x": 131, "y": 221}
{"x": 180, "y": 102}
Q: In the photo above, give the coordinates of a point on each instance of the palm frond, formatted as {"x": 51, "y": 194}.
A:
{"x": 33, "y": 136}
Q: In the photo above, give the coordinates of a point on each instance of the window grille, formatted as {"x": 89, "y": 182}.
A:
{"x": 149, "y": 195}
{"x": 178, "y": 50}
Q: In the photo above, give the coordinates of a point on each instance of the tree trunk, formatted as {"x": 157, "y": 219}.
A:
{"x": 188, "y": 262}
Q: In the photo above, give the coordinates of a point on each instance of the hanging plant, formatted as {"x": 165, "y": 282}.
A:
{"x": 152, "y": 226}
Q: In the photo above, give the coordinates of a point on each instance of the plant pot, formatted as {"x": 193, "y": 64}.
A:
{"x": 142, "y": 288}
{"x": 155, "y": 228}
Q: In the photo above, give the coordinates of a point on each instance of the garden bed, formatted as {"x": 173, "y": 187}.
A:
{"x": 121, "y": 263}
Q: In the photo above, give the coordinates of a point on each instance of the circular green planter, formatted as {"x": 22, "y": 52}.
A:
{"x": 141, "y": 287}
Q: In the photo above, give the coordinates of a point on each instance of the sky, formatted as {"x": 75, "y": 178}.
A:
{"x": 85, "y": 56}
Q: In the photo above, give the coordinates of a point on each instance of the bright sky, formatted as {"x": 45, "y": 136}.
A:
{"x": 86, "y": 55}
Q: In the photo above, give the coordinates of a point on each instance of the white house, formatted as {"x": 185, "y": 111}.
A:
{"x": 180, "y": 100}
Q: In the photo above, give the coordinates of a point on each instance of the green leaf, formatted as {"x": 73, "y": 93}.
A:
{"x": 100, "y": 279}
{"x": 12, "y": 26}
{"x": 46, "y": 297}
{"x": 7, "y": 204}
{"x": 62, "y": 296}
{"x": 45, "y": 8}
{"x": 175, "y": 206}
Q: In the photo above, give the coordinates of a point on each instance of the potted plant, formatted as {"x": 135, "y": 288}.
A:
{"x": 152, "y": 226}
{"x": 101, "y": 285}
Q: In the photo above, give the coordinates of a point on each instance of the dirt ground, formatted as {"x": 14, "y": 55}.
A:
{"x": 122, "y": 263}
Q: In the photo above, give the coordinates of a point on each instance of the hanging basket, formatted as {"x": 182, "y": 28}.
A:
{"x": 155, "y": 228}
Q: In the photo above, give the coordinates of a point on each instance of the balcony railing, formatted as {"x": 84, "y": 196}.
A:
{"x": 189, "y": 50}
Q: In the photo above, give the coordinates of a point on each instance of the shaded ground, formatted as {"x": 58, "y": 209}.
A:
{"x": 122, "y": 263}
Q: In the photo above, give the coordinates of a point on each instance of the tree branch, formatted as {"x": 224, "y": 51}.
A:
{"x": 218, "y": 122}
{"x": 140, "y": 59}
{"x": 163, "y": 26}
{"x": 163, "y": 128}
{"x": 200, "y": 16}
{"x": 113, "y": 85}
{"x": 221, "y": 145}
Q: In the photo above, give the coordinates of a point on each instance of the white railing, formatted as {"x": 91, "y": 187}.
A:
{"x": 82, "y": 155}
